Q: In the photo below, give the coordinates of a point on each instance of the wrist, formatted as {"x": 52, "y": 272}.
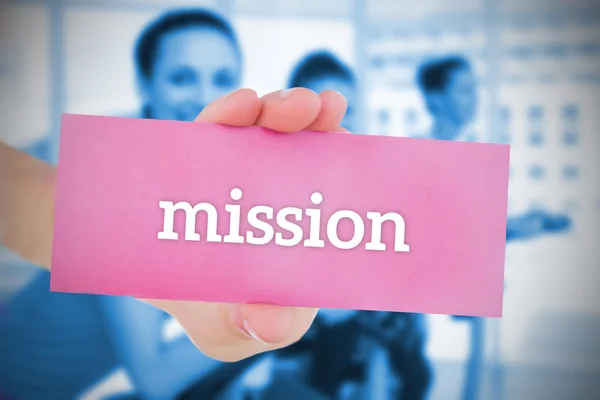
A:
{"x": 26, "y": 205}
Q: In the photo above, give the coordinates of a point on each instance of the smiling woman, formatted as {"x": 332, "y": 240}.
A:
{"x": 125, "y": 331}
{"x": 184, "y": 61}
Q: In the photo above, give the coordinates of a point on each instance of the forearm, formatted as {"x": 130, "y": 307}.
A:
{"x": 26, "y": 205}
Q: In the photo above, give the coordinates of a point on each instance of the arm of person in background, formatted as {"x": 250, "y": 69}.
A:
{"x": 225, "y": 332}
{"x": 535, "y": 223}
{"x": 527, "y": 226}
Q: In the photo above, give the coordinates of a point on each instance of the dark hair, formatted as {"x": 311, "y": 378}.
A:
{"x": 148, "y": 42}
{"x": 319, "y": 64}
{"x": 433, "y": 75}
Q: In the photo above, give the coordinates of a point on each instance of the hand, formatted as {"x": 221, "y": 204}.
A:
{"x": 217, "y": 329}
{"x": 226, "y": 332}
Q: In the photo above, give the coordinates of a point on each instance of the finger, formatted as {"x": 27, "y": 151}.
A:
{"x": 333, "y": 109}
{"x": 231, "y": 332}
{"x": 340, "y": 129}
{"x": 289, "y": 110}
{"x": 239, "y": 108}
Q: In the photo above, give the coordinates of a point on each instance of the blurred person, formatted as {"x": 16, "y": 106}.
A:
{"x": 449, "y": 88}
{"x": 336, "y": 339}
{"x": 56, "y": 345}
{"x": 321, "y": 70}
{"x": 452, "y": 100}
{"x": 450, "y": 91}
{"x": 184, "y": 61}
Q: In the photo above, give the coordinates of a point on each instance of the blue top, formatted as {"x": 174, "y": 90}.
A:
{"x": 53, "y": 345}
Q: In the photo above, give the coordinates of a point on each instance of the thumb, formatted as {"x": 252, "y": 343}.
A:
{"x": 232, "y": 332}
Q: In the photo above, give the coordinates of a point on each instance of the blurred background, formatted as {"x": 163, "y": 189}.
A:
{"x": 537, "y": 70}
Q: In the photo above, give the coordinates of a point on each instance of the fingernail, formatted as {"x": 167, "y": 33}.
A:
{"x": 228, "y": 95}
{"x": 243, "y": 325}
{"x": 334, "y": 91}
{"x": 247, "y": 329}
{"x": 286, "y": 93}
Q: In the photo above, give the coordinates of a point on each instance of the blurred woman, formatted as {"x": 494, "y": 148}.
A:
{"x": 57, "y": 345}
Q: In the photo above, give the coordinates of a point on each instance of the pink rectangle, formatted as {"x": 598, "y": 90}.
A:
{"x": 113, "y": 174}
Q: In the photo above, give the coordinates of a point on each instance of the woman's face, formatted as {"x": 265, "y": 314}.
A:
{"x": 346, "y": 89}
{"x": 193, "y": 67}
{"x": 459, "y": 99}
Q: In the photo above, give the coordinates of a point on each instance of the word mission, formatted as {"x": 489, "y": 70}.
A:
{"x": 261, "y": 218}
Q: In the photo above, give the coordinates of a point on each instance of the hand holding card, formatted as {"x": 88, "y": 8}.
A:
{"x": 214, "y": 327}
{"x": 219, "y": 330}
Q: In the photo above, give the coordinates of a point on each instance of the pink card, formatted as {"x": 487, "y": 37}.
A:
{"x": 178, "y": 210}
